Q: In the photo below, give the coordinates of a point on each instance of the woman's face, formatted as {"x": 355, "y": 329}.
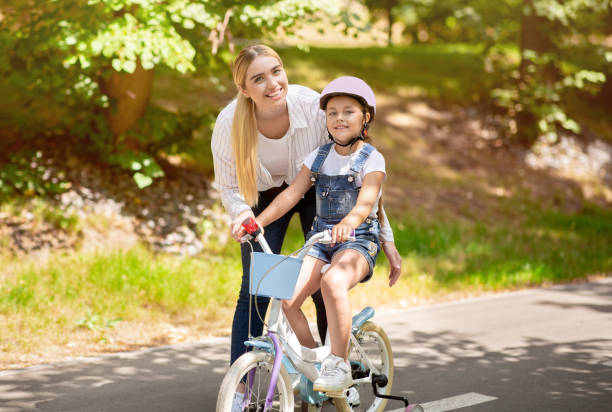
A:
{"x": 266, "y": 83}
{"x": 345, "y": 118}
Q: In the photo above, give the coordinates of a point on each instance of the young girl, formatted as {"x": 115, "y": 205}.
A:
{"x": 348, "y": 175}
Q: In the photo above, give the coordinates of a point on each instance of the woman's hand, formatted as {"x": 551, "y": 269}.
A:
{"x": 395, "y": 261}
{"x": 236, "y": 226}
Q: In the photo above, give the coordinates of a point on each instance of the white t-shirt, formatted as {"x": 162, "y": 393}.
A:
{"x": 336, "y": 164}
{"x": 274, "y": 156}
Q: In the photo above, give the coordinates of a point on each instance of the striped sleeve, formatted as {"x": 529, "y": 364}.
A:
{"x": 225, "y": 165}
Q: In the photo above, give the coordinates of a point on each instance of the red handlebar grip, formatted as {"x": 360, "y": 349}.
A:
{"x": 250, "y": 225}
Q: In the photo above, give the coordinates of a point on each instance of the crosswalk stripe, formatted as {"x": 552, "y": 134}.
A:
{"x": 454, "y": 402}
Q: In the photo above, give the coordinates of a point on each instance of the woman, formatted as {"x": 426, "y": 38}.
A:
{"x": 259, "y": 143}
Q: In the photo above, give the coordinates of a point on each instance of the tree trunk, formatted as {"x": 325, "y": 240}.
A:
{"x": 129, "y": 94}
{"x": 534, "y": 37}
{"x": 390, "y": 32}
{"x": 605, "y": 93}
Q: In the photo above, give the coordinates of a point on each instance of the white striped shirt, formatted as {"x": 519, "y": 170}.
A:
{"x": 307, "y": 131}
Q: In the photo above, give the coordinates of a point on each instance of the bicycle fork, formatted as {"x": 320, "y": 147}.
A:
{"x": 278, "y": 358}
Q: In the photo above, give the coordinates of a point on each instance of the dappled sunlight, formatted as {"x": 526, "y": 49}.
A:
{"x": 175, "y": 92}
{"x": 202, "y": 365}
{"x": 447, "y": 355}
{"x": 589, "y": 163}
{"x": 402, "y": 119}
{"x": 305, "y": 73}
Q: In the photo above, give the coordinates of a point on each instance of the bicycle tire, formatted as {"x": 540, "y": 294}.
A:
{"x": 375, "y": 342}
{"x": 261, "y": 363}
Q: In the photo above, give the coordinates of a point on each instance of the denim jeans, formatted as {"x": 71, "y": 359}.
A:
{"x": 274, "y": 234}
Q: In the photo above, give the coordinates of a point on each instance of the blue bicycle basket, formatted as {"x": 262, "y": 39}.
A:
{"x": 274, "y": 281}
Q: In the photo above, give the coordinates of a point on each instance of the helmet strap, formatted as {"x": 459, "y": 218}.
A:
{"x": 352, "y": 142}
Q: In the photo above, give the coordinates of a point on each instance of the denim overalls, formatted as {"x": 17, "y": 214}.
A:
{"x": 336, "y": 197}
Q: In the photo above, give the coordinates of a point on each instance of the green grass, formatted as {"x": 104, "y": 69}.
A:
{"x": 547, "y": 246}
{"x": 46, "y": 303}
{"x": 451, "y": 73}
{"x": 95, "y": 291}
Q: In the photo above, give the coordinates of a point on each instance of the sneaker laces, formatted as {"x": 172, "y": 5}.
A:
{"x": 331, "y": 364}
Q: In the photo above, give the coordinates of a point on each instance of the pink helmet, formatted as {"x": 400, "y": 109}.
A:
{"x": 350, "y": 86}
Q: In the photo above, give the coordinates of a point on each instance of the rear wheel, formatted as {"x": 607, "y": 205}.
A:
{"x": 252, "y": 371}
{"x": 375, "y": 357}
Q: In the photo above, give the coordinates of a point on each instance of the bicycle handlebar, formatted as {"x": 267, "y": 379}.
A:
{"x": 252, "y": 228}
{"x": 250, "y": 225}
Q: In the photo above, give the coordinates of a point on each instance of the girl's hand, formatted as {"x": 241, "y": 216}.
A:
{"x": 236, "y": 226}
{"x": 340, "y": 232}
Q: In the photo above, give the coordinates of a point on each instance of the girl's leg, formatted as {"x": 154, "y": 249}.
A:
{"x": 308, "y": 282}
{"x": 348, "y": 267}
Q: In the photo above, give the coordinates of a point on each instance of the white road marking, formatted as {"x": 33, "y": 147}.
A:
{"x": 454, "y": 402}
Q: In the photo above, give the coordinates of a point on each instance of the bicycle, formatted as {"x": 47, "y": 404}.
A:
{"x": 278, "y": 367}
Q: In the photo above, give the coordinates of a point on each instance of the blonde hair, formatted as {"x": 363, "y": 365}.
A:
{"x": 244, "y": 126}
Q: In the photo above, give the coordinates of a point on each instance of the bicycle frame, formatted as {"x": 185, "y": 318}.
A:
{"x": 283, "y": 342}
{"x": 294, "y": 366}
{"x": 276, "y": 321}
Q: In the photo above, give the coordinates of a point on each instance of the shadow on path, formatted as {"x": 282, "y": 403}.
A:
{"x": 162, "y": 379}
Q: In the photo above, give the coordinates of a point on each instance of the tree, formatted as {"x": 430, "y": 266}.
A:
{"x": 551, "y": 33}
{"x": 84, "y": 68}
{"x": 389, "y": 7}
{"x": 559, "y": 45}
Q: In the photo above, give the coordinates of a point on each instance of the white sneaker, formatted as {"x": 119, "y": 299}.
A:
{"x": 237, "y": 402}
{"x": 352, "y": 396}
{"x": 335, "y": 375}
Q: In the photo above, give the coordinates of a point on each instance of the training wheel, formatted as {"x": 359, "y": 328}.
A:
{"x": 414, "y": 408}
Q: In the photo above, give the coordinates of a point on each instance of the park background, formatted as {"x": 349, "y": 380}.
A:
{"x": 495, "y": 119}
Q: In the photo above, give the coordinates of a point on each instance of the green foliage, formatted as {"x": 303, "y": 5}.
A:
{"x": 481, "y": 21}
{"x": 95, "y": 323}
{"x": 40, "y": 211}
{"x": 542, "y": 98}
{"x": 546, "y": 77}
{"x": 26, "y": 173}
{"x": 143, "y": 166}
{"x": 55, "y": 57}
{"x": 570, "y": 55}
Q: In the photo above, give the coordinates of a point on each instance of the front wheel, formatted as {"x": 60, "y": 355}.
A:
{"x": 251, "y": 374}
{"x": 375, "y": 356}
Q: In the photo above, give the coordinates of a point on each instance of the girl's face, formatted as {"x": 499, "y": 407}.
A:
{"x": 345, "y": 118}
{"x": 266, "y": 83}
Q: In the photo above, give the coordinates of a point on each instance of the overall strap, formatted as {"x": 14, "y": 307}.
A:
{"x": 320, "y": 159}
{"x": 361, "y": 158}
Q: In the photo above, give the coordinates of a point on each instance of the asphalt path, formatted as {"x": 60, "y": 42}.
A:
{"x": 544, "y": 349}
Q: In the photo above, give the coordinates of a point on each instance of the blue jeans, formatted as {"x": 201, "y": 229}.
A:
{"x": 274, "y": 234}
